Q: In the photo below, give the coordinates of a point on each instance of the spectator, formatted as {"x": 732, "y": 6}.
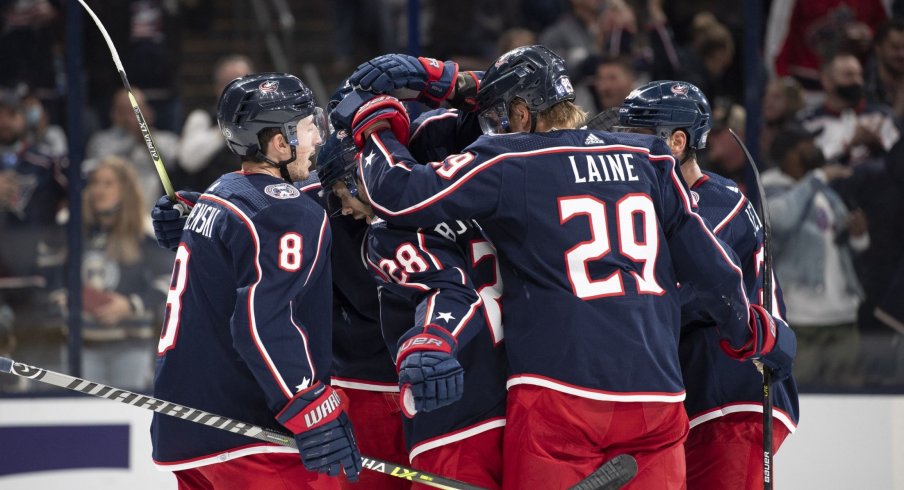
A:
{"x": 48, "y": 139}
{"x": 32, "y": 193}
{"x": 125, "y": 279}
{"x": 584, "y": 30}
{"x": 851, "y": 131}
{"x": 147, "y": 34}
{"x": 885, "y": 76}
{"x": 515, "y": 38}
{"x": 31, "y": 38}
{"x": 124, "y": 138}
{"x": 608, "y": 82}
{"x": 724, "y": 155}
{"x": 782, "y": 100}
{"x": 814, "y": 237}
{"x": 803, "y": 34}
{"x": 203, "y": 156}
{"x": 704, "y": 62}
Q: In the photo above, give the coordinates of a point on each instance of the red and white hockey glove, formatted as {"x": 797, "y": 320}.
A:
{"x": 429, "y": 374}
{"x": 380, "y": 108}
{"x": 322, "y": 431}
{"x": 772, "y": 342}
{"x": 427, "y": 80}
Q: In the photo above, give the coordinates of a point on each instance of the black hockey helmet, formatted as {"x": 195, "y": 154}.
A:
{"x": 667, "y": 105}
{"x": 533, "y": 74}
{"x": 259, "y": 101}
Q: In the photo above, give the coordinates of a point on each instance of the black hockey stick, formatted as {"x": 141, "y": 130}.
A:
{"x": 145, "y": 130}
{"x": 612, "y": 475}
{"x": 212, "y": 420}
{"x": 603, "y": 121}
{"x": 767, "y": 304}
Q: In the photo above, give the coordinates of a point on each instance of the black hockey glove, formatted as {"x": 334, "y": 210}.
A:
{"x": 169, "y": 218}
{"x": 322, "y": 431}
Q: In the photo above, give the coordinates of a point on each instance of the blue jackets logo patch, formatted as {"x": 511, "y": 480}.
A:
{"x": 282, "y": 191}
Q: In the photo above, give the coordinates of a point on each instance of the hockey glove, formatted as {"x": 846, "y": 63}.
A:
{"x": 429, "y": 374}
{"x": 432, "y": 81}
{"x": 772, "y": 342}
{"x": 322, "y": 431}
{"x": 374, "y": 111}
{"x": 169, "y": 218}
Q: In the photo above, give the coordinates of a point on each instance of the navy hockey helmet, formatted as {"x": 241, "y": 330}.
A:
{"x": 667, "y": 105}
{"x": 533, "y": 74}
{"x": 259, "y": 101}
{"x": 336, "y": 162}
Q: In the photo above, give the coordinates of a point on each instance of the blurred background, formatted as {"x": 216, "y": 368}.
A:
{"x": 814, "y": 87}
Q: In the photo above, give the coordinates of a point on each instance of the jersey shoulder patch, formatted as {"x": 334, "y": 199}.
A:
{"x": 283, "y": 190}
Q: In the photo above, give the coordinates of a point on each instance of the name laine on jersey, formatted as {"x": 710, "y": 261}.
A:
{"x": 603, "y": 168}
{"x": 202, "y": 218}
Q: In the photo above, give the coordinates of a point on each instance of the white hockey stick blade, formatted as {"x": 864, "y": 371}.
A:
{"x": 612, "y": 475}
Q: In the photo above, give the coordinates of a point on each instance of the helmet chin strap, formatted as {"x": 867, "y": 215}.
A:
{"x": 282, "y": 165}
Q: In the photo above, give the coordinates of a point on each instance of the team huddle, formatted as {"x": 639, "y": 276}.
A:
{"x": 491, "y": 292}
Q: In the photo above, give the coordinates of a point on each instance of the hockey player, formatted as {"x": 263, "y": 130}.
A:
{"x": 362, "y": 366}
{"x": 437, "y": 285}
{"x": 593, "y": 229}
{"x": 724, "y": 398}
{"x": 247, "y": 326}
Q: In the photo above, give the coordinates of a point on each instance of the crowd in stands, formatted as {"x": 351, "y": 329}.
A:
{"x": 832, "y": 159}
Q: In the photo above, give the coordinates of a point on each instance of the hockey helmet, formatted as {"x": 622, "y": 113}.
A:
{"x": 533, "y": 74}
{"x": 259, "y": 101}
{"x": 667, "y": 105}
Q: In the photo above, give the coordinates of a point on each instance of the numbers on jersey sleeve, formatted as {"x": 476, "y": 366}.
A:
{"x": 452, "y": 165}
{"x": 290, "y": 249}
{"x": 178, "y": 281}
{"x": 407, "y": 261}
{"x": 630, "y": 210}
{"x": 491, "y": 292}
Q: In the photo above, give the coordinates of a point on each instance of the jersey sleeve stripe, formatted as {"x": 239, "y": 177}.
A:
{"x": 252, "y": 321}
{"x": 426, "y": 122}
{"x": 734, "y": 212}
{"x": 476, "y": 170}
{"x": 687, "y": 205}
{"x": 304, "y": 341}
{"x": 323, "y": 228}
{"x": 422, "y": 244}
{"x": 464, "y": 321}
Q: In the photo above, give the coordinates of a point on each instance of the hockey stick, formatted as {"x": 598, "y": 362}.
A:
{"x": 603, "y": 121}
{"x": 145, "y": 130}
{"x": 767, "y": 304}
{"x": 612, "y": 475}
{"x": 212, "y": 420}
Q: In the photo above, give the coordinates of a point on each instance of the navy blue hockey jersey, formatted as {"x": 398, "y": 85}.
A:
{"x": 717, "y": 385}
{"x": 594, "y": 230}
{"x": 247, "y": 322}
{"x": 447, "y": 276}
{"x": 361, "y": 360}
